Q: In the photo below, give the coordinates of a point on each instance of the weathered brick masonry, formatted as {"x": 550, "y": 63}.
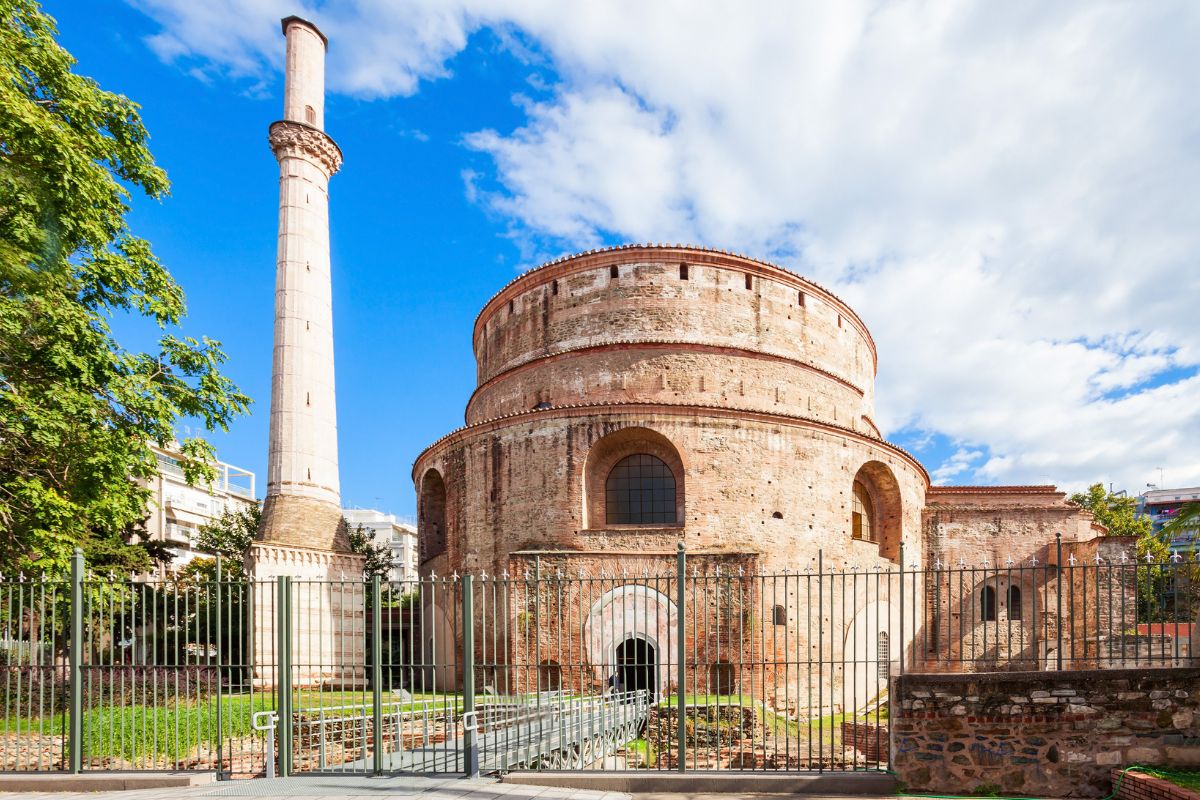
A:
{"x": 1052, "y": 734}
{"x": 1133, "y": 785}
{"x": 755, "y": 387}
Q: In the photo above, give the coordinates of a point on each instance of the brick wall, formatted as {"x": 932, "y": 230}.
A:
{"x": 1038, "y": 734}
{"x": 1140, "y": 786}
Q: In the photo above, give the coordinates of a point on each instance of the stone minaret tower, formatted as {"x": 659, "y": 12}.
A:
{"x": 303, "y": 505}
{"x": 302, "y": 534}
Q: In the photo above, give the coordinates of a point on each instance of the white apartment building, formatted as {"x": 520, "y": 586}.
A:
{"x": 177, "y": 510}
{"x": 400, "y": 535}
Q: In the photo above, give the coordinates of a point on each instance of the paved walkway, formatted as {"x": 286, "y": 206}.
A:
{"x": 314, "y": 787}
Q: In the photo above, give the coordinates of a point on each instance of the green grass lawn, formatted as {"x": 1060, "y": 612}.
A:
{"x": 173, "y": 729}
{"x": 826, "y": 727}
{"x": 640, "y": 747}
{"x": 1185, "y": 779}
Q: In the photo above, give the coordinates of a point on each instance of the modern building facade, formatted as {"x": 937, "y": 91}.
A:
{"x": 1164, "y": 505}
{"x": 397, "y": 534}
{"x": 177, "y": 510}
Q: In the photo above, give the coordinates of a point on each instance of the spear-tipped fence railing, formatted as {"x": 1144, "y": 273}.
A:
{"x": 668, "y": 661}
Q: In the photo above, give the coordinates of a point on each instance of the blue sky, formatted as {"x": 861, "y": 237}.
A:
{"x": 414, "y": 260}
{"x": 1006, "y": 196}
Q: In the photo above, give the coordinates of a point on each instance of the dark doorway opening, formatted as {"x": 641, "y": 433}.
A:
{"x": 637, "y": 666}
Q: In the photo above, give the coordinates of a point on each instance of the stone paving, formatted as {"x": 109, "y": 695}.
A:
{"x": 335, "y": 788}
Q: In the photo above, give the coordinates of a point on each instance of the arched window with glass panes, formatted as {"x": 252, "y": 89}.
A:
{"x": 862, "y": 514}
{"x": 640, "y": 490}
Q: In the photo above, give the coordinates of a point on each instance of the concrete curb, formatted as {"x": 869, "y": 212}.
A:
{"x": 101, "y": 781}
{"x": 822, "y": 783}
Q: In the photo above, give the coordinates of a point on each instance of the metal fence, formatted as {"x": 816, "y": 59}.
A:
{"x": 669, "y": 662}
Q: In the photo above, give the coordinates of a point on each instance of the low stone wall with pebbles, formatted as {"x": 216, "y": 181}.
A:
{"x": 1047, "y": 734}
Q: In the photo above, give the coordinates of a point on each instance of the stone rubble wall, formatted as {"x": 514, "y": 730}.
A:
{"x": 1046, "y": 734}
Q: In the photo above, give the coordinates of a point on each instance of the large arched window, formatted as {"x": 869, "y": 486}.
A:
{"x": 431, "y": 520}
{"x": 876, "y": 509}
{"x": 640, "y": 490}
{"x": 633, "y": 476}
{"x": 862, "y": 515}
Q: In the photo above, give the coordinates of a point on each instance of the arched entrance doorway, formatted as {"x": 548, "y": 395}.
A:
{"x": 637, "y": 665}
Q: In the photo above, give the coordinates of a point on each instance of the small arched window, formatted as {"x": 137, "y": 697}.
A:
{"x": 640, "y": 490}
{"x": 722, "y": 680}
{"x": 1014, "y": 602}
{"x": 883, "y": 655}
{"x": 987, "y": 604}
{"x": 780, "y": 615}
{"x": 862, "y": 514}
{"x": 549, "y": 676}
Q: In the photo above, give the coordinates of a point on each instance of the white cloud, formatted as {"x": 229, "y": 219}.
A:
{"x": 1005, "y": 191}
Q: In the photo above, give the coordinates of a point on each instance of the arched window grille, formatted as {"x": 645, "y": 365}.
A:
{"x": 640, "y": 490}
{"x": 987, "y": 604}
{"x": 862, "y": 516}
{"x": 883, "y": 654}
{"x": 1014, "y": 602}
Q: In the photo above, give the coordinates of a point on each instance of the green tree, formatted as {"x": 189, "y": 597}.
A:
{"x": 230, "y": 536}
{"x": 78, "y": 410}
{"x": 1118, "y": 512}
{"x": 379, "y": 557}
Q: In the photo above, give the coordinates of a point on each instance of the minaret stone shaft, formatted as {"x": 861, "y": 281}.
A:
{"x": 302, "y": 534}
{"x": 303, "y": 503}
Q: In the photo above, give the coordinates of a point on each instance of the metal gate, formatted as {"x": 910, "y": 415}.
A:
{"x": 666, "y": 664}
{"x": 660, "y": 661}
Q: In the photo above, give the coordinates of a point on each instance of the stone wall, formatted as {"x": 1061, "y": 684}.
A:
{"x": 1037, "y": 733}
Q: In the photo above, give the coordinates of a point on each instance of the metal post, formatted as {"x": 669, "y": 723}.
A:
{"x": 1058, "y": 601}
{"x": 377, "y": 672}
{"x": 470, "y": 745}
{"x": 902, "y": 610}
{"x": 220, "y": 676}
{"x": 680, "y": 652}
{"x": 269, "y": 756}
{"x": 75, "y": 664}
{"x": 283, "y": 681}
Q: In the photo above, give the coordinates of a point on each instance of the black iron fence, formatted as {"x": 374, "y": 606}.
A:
{"x": 664, "y": 661}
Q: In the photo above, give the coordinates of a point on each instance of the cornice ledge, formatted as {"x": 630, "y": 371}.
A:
{"x": 293, "y": 139}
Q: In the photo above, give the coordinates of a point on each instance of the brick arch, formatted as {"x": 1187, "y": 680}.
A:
{"x": 431, "y": 516}
{"x": 884, "y": 490}
{"x": 605, "y": 454}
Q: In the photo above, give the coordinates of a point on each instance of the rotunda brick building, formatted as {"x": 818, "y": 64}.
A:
{"x": 632, "y": 398}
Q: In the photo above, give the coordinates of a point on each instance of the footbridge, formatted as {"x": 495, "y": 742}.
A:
{"x": 543, "y": 731}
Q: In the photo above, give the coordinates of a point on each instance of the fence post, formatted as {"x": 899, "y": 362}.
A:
{"x": 470, "y": 745}
{"x": 1058, "y": 623}
{"x": 283, "y": 681}
{"x": 680, "y": 652}
{"x": 220, "y": 671}
{"x": 902, "y": 610}
{"x": 75, "y": 664}
{"x": 377, "y": 672}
